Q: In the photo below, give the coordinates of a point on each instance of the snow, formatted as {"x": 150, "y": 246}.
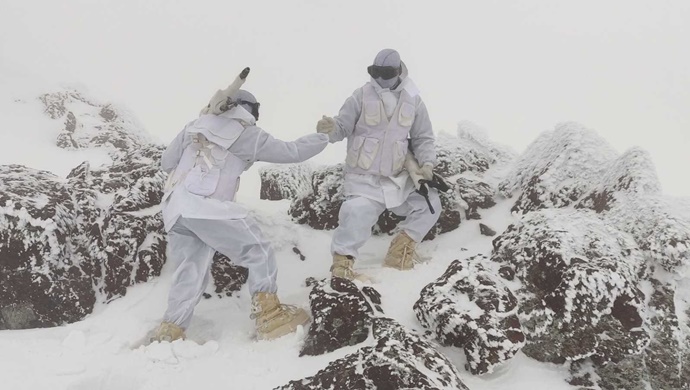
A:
{"x": 104, "y": 350}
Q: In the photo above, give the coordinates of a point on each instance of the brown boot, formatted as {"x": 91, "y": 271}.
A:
{"x": 273, "y": 319}
{"x": 401, "y": 254}
{"x": 342, "y": 268}
{"x": 167, "y": 331}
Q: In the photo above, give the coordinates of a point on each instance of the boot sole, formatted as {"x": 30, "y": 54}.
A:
{"x": 396, "y": 267}
{"x": 284, "y": 329}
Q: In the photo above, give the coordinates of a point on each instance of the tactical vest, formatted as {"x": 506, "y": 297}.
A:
{"x": 207, "y": 169}
{"x": 378, "y": 146}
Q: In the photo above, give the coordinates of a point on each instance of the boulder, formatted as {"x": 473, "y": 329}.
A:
{"x": 400, "y": 359}
{"x": 468, "y": 307}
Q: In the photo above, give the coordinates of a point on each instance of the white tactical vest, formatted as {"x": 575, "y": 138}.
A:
{"x": 378, "y": 145}
{"x": 207, "y": 168}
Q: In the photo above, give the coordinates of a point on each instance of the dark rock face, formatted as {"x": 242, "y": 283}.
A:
{"x": 341, "y": 315}
{"x": 39, "y": 279}
{"x": 580, "y": 278}
{"x": 666, "y": 353}
{"x": 468, "y": 307}
{"x": 280, "y": 182}
{"x": 68, "y": 241}
{"x": 399, "y": 360}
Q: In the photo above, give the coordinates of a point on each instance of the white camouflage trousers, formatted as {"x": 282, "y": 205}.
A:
{"x": 191, "y": 246}
{"x": 359, "y": 214}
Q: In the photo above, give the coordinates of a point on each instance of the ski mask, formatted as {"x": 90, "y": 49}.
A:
{"x": 387, "y": 68}
{"x": 247, "y": 101}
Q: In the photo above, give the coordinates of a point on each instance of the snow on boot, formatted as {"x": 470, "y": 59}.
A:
{"x": 401, "y": 253}
{"x": 273, "y": 319}
{"x": 342, "y": 268}
{"x": 167, "y": 331}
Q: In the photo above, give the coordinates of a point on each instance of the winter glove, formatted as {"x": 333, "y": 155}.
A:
{"x": 427, "y": 171}
{"x": 325, "y": 125}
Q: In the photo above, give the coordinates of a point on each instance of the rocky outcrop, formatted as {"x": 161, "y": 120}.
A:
{"x": 92, "y": 124}
{"x": 581, "y": 297}
{"x": 573, "y": 166}
{"x": 470, "y": 308}
{"x": 40, "y": 282}
{"x": 629, "y": 197}
{"x": 558, "y": 168}
{"x": 342, "y": 315}
{"x": 400, "y": 359}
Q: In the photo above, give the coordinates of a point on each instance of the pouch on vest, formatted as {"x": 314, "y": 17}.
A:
{"x": 399, "y": 153}
{"x": 406, "y": 115}
{"x": 368, "y": 153}
{"x": 372, "y": 112}
{"x": 353, "y": 151}
{"x": 202, "y": 181}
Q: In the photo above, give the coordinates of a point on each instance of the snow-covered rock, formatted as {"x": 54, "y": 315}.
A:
{"x": 629, "y": 197}
{"x": 580, "y": 277}
{"x": 122, "y": 231}
{"x": 558, "y": 168}
{"x": 319, "y": 207}
{"x": 470, "y": 308}
{"x": 476, "y": 195}
{"x": 280, "y": 182}
{"x": 469, "y": 151}
{"x": 92, "y": 124}
{"x": 400, "y": 360}
{"x": 342, "y": 315}
{"x": 41, "y": 283}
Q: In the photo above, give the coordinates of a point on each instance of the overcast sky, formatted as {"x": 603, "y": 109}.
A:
{"x": 516, "y": 68}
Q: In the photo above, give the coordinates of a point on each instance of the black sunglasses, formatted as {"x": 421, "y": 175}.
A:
{"x": 384, "y": 72}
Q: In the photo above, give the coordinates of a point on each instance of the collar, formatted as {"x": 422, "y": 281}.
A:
{"x": 240, "y": 113}
{"x": 405, "y": 84}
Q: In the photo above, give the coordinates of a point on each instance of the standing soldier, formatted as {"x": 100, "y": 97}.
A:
{"x": 383, "y": 121}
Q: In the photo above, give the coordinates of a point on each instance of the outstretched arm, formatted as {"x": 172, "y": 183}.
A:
{"x": 255, "y": 144}
{"x": 347, "y": 118}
